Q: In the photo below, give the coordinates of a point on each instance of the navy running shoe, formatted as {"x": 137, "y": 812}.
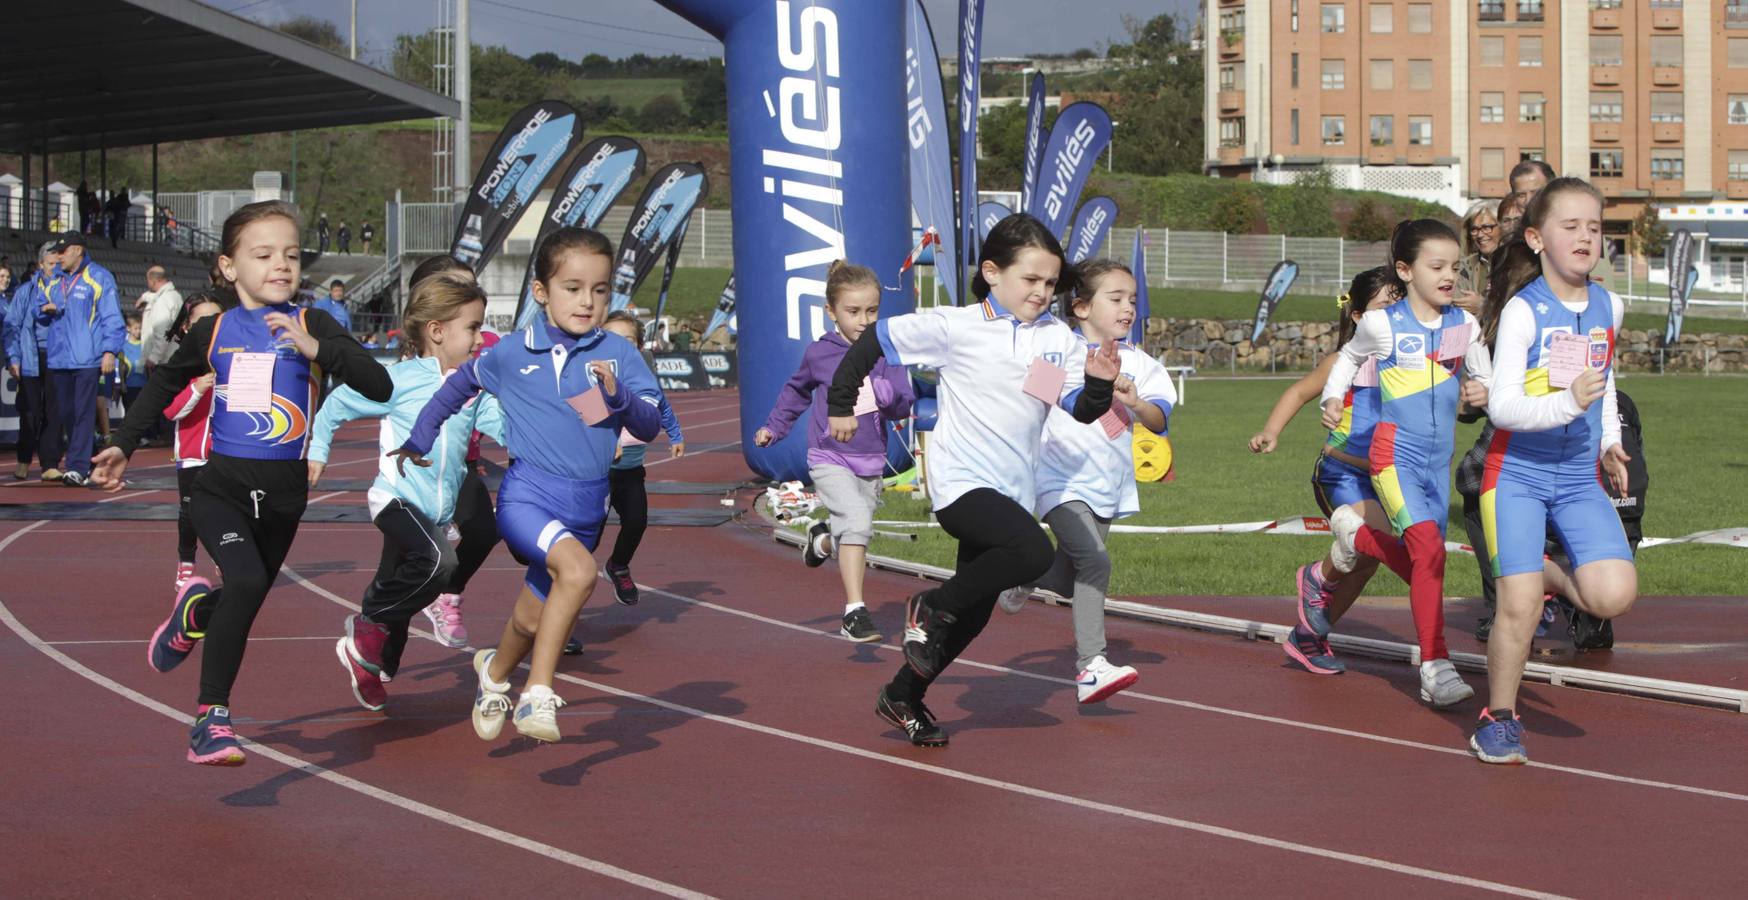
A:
{"x": 1313, "y": 599}
{"x": 212, "y": 742}
{"x": 1499, "y": 741}
{"x": 174, "y": 639}
{"x": 1312, "y": 652}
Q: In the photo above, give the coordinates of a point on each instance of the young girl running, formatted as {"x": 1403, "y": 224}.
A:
{"x": 1003, "y": 364}
{"x": 191, "y": 412}
{"x": 1340, "y": 481}
{"x": 441, "y": 326}
{"x": 266, "y": 357}
{"x": 625, "y": 478}
{"x": 1553, "y": 405}
{"x": 1421, "y": 345}
{"x": 566, "y": 388}
{"x": 845, "y": 474}
{"x": 1086, "y": 473}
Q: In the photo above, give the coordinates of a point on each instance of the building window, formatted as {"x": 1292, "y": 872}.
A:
{"x": 1531, "y": 153}
{"x": 1738, "y": 52}
{"x": 1334, "y": 18}
{"x": 1492, "y": 50}
{"x": 1420, "y": 131}
{"x": 1605, "y": 4}
{"x": 1293, "y": 125}
{"x": 1531, "y": 106}
{"x": 1420, "y": 74}
{"x": 1666, "y": 50}
{"x": 1736, "y": 14}
{"x": 1607, "y": 163}
{"x": 1493, "y": 107}
{"x": 1334, "y": 74}
{"x": 1420, "y": 18}
{"x": 1295, "y": 69}
{"x": 1228, "y": 77}
{"x": 1334, "y": 130}
{"x": 1492, "y": 163}
{"x": 1232, "y": 132}
{"x": 1605, "y": 106}
{"x": 1739, "y": 165}
{"x": 1667, "y": 106}
{"x": 1529, "y": 10}
{"x": 1383, "y": 18}
{"x": 1383, "y": 74}
{"x": 1605, "y": 49}
{"x": 1529, "y": 50}
{"x": 1665, "y": 4}
{"x": 1383, "y": 131}
{"x": 1737, "y": 109}
{"x": 1232, "y": 26}
{"x": 1295, "y": 16}
{"x": 1490, "y": 10}
{"x": 1667, "y": 165}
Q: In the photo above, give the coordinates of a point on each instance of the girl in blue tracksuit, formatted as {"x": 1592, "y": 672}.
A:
{"x": 413, "y": 512}
{"x": 566, "y": 388}
{"x": 82, "y": 319}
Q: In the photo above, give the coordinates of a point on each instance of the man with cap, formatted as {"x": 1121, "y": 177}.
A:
{"x": 27, "y": 356}
{"x": 82, "y": 316}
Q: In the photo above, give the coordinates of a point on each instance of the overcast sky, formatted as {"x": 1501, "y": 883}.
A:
{"x": 575, "y": 28}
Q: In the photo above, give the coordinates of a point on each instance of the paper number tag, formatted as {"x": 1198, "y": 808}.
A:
{"x": 590, "y": 406}
{"x": 1454, "y": 342}
{"x": 249, "y": 386}
{"x": 1044, "y": 380}
{"x": 1568, "y": 354}
{"x": 865, "y": 402}
{"x": 1115, "y": 420}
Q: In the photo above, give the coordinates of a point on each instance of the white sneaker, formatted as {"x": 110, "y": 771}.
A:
{"x": 537, "y": 713}
{"x": 1013, "y": 600}
{"x": 491, "y": 702}
{"x": 1441, "y": 686}
{"x": 1099, "y": 680}
{"x": 1344, "y": 523}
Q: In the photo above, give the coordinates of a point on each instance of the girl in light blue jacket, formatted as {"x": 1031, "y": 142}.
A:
{"x": 413, "y": 510}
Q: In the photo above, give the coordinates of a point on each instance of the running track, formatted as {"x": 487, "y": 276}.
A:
{"x": 720, "y": 740}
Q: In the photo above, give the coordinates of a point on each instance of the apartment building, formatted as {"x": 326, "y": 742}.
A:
{"x": 1438, "y": 99}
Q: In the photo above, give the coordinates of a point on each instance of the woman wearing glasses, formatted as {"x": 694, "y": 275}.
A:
{"x": 1481, "y": 235}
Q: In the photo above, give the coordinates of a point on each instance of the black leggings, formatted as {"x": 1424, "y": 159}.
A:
{"x": 417, "y": 564}
{"x": 625, "y": 491}
{"x": 1000, "y": 546}
{"x": 246, "y": 512}
{"x": 33, "y": 406}
{"x": 478, "y": 524}
{"x": 186, "y": 538}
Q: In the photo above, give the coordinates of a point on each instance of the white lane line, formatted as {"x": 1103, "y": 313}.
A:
{"x": 1006, "y": 786}
{"x": 690, "y": 425}
{"x": 252, "y": 639}
{"x": 126, "y": 496}
{"x": 690, "y": 454}
{"x": 1221, "y": 710}
{"x": 290, "y": 761}
{"x": 700, "y": 410}
{"x": 314, "y": 500}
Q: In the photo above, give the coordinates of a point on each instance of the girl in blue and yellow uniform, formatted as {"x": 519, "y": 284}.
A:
{"x": 267, "y": 358}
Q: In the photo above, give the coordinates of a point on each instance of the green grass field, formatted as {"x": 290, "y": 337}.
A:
{"x": 1697, "y": 478}
{"x": 630, "y": 92}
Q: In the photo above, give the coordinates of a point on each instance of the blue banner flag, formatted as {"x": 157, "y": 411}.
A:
{"x": 1036, "y": 134}
{"x": 931, "y": 156}
{"x": 601, "y": 171}
{"x": 970, "y": 77}
{"x": 724, "y": 315}
{"x": 1080, "y": 134}
{"x": 1138, "y": 265}
{"x": 660, "y": 214}
{"x": 1280, "y": 281}
{"x": 989, "y": 212}
{"x": 1682, "y": 276}
{"x": 1091, "y": 227}
{"x": 531, "y": 145}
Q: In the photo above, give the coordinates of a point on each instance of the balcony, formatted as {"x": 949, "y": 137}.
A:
{"x": 1232, "y": 43}
{"x": 1667, "y": 187}
{"x": 1665, "y": 19}
{"x": 1605, "y": 75}
{"x": 1420, "y": 154}
{"x": 1605, "y": 19}
{"x": 1666, "y": 76}
{"x": 1667, "y": 132}
{"x": 1231, "y": 101}
{"x": 1383, "y": 155}
{"x": 1736, "y": 190}
{"x": 1229, "y": 156}
{"x": 1605, "y": 132}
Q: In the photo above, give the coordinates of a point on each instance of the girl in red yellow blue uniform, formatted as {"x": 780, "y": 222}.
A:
{"x": 269, "y": 356}
{"x": 1553, "y": 404}
{"x": 1422, "y": 345}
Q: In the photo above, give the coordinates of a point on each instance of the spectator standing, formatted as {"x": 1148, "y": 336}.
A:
{"x": 88, "y": 208}
{"x": 1480, "y": 238}
{"x": 366, "y": 234}
{"x": 335, "y": 303}
{"x": 85, "y": 335}
{"x": 322, "y": 233}
{"x": 120, "y": 203}
{"x": 1529, "y": 177}
{"x": 159, "y": 307}
{"x": 344, "y": 236}
{"x": 27, "y": 355}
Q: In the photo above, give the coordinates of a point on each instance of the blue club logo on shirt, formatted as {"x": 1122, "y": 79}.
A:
{"x": 1410, "y": 345}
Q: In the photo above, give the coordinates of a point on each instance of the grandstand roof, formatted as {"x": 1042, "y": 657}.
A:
{"x": 86, "y": 74}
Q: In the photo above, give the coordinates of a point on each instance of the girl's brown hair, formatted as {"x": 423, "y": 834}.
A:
{"x": 1515, "y": 265}
{"x": 232, "y": 233}
{"x": 842, "y": 275}
{"x": 565, "y": 240}
{"x": 1087, "y": 275}
{"x": 438, "y": 298}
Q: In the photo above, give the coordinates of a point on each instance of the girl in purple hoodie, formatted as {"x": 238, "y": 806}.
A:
{"x": 846, "y": 475}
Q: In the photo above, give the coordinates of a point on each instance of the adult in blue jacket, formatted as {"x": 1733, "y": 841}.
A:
{"x": 335, "y": 304}
{"x": 27, "y": 356}
{"x": 85, "y": 335}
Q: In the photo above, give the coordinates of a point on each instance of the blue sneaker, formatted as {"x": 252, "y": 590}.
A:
{"x": 1499, "y": 741}
{"x": 1313, "y": 599}
{"x": 212, "y": 742}
{"x": 1312, "y": 652}
{"x": 174, "y": 639}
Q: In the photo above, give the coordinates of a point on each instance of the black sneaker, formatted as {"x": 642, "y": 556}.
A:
{"x": 911, "y": 718}
{"x": 73, "y": 479}
{"x": 573, "y": 647}
{"x": 925, "y": 635}
{"x": 624, "y": 589}
{"x": 1484, "y": 629}
{"x": 810, "y": 551}
{"x": 859, "y": 626}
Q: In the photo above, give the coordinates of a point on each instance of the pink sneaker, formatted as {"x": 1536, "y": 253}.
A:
{"x": 445, "y": 616}
{"x": 360, "y": 652}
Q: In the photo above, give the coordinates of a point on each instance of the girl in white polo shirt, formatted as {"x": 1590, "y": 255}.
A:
{"x": 1003, "y": 364}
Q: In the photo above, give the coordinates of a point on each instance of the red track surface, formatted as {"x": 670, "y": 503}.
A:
{"x": 720, "y": 739}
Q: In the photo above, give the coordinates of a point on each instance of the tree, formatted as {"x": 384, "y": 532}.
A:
{"x": 662, "y": 113}
{"x": 1158, "y": 109}
{"x": 311, "y": 30}
{"x": 1237, "y": 210}
{"x": 547, "y": 62}
{"x": 1302, "y": 208}
{"x": 1367, "y": 223}
{"x": 1650, "y": 235}
{"x": 706, "y": 96}
{"x": 1002, "y": 133}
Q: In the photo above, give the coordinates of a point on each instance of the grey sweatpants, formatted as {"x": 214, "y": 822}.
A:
{"x": 851, "y": 498}
{"x": 1082, "y": 571}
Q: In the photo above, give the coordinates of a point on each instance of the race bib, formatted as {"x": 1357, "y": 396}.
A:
{"x": 590, "y": 406}
{"x": 249, "y": 386}
{"x": 1044, "y": 380}
{"x": 1568, "y": 354}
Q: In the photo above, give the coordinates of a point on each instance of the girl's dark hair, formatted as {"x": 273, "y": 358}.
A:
{"x": 1515, "y": 265}
{"x": 437, "y": 265}
{"x": 247, "y": 215}
{"x": 842, "y": 275}
{"x": 1358, "y": 298}
{"x": 566, "y": 240}
{"x": 1087, "y": 275}
{"x": 1003, "y": 246}
{"x": 224, "y": 300}
{"x": 1407, "y": 239}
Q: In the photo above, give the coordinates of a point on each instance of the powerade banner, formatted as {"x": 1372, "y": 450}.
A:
{"x": 668, "y": 272}
{"x": 1280, "y": 279}
{"x": 1138, "y": 265}
{"x": 931, "y": 159}
{"x": 989, "y": 212}
{"x": 970, "y": 78}
{"x": 660, "y": 214}
{"x": 1681, "y": 279}
{"x": 1091, "y": 227}
{"x": 530, "y": 147}
{"x": 597, "y": 176}
{"x": 1080, "y": 134}
{"x": 1036, "y": 133}
{"x": 724, "y": 315}
{"x": 815, "y": 102}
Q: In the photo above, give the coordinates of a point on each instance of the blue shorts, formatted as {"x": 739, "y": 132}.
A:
{"x": 1413, "y": 483}
{"x": 1521, "y": 505}
{"x": 1336, "y": 484}
{"x": 537, "y": 509}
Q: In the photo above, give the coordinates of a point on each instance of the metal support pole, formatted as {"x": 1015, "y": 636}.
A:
{"x": 1224, "y": 240}
{"x": 24, "y": 213}
{"x": 463, "y": 153}
{"x": 157, "y": 210}
{"x": 354, "y": 31}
